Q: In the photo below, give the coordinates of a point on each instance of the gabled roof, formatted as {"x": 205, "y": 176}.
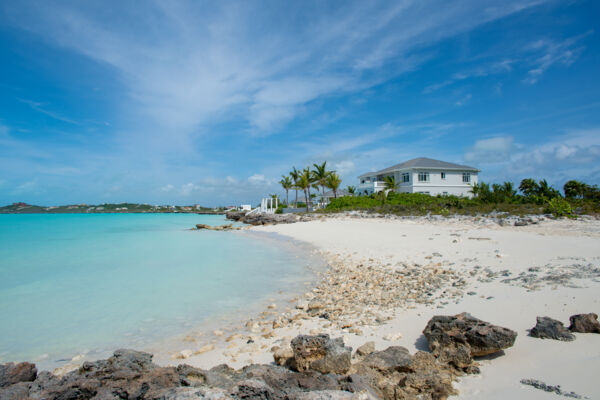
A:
{"x": 422, "y": 162}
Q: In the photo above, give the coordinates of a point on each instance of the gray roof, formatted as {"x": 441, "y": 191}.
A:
{"x": 422, "y": 162}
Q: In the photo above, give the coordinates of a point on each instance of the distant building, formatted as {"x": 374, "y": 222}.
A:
{"x": 422, "y": 175}
{"x": 246, "y": 207}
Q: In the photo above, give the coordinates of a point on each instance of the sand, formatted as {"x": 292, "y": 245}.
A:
{"x": 489, "y": 257}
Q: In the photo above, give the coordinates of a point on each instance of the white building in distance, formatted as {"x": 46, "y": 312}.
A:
{"x": 422, "y": 175}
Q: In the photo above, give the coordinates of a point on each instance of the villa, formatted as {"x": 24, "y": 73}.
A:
{"x": 422, "y": 175}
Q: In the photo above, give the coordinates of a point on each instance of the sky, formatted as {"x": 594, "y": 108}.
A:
{"x": 193, "y": 102}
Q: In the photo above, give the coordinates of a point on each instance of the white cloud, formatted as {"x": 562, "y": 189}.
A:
{"x": 167, "y": 188}
{"x": 550, "y": 52}
{"x": 185, "y": 64}
{"x": 491, "y": 150}
{"x": 574, "y": 155}
{"x": 257, "y": 179}
{"x": 188, "y": 188}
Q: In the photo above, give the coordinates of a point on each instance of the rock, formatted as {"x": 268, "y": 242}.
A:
{"x": 283, "y": 356}
{"x": 365, "y": 349}
{"x": 548, "y": 328}
{"x": 395, "y": 358}
{"x": 584, "y": 323}
{"x": 185, "y": 393}
{"x": 322, "y": 354}
{"x": 12, "y": 373}
{"x": 457, "y": 339}
{"x": 332, "y": 395}
{"x": 253, "y": 389}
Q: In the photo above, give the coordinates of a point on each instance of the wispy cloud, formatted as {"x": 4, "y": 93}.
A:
{"x": 41, "y": 108}
{"x": 551, "y": 52}
{"x": 193, "y": 64}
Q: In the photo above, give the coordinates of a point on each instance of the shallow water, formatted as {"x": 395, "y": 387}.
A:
{"x": 73, "y": 283}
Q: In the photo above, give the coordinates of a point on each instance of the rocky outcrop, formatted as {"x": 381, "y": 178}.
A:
{"x": 322, "y": 354}
{"x": 584, "y": 323}
{"x": 321, "y": 369}
{"x": 227, "y": 227}
{"x": 12, "y": 373}
{"x": 548, "y": 328}
{"x": 267, "y": 219}
{"x": 457, "y": 339}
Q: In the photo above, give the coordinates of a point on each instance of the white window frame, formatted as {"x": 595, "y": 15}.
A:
{"x": 443, "y": 176}
{"x": 423, "y": 176}
{"x": 405, "y": 177}
{"x": 466, "y": 177}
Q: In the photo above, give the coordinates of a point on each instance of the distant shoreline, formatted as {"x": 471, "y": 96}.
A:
{"x": 115, "y": 212}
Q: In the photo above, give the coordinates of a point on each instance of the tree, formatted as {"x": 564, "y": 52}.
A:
{"x": 287, "y": 184}
{"x": 333, "y": 182}
{"x": 389, "y": 182}
{"x": 547, "y": 191}
{"x": 509, "y": 190}
{"x": 574, "y": 189}
{"x": 529, "y": 187}
{"x": 295, "y": 174}
{"x": 304, "y": 182}
{"x": 320, "y": 174}
{"x": 351, "y": 190}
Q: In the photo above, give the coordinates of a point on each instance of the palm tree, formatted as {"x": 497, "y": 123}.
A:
{"x": 295, "y": 174}
{"x": 351, "y": 190}
{"x": 389, "y": 182}
{"x": 287, "y": 184}
{"x": 320, "y": 174}
{"x": 304, "y": 182}
{"x": 475, "y": 190}
{"x": 529, "y": 187}
{"x": 333, "y": 182}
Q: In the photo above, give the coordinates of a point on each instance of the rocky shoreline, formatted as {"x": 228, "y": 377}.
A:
{"x": 313, "y": 367}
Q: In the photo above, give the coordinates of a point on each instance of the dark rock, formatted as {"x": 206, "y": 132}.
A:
{"x": 12, "y": 373}
{"x": 322, "y": 354}
{"x": 548, "y": 328}
{"x": 395, "y": 358}
{"x": 457, "y": 339}
{"x": 584, "y": 323}
{"x": 16, "y": 391}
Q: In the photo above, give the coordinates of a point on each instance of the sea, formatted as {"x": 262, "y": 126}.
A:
{"x": 85, "y": 284}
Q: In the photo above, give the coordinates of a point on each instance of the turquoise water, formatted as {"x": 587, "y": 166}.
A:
{"x": 73, "y": 283}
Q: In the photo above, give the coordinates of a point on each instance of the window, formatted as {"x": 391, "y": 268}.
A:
{"x": 445, "y": 193}
{"x": 466, "y": 177}
{"x": 424, "y": 177}
{"x": 405, "y": 177}
{"x": 443, "y": 175}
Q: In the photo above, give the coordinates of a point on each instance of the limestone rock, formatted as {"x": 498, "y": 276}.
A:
{"x": 395, "y": 358}
{"x": 365, "y": 349}
{"x": 283, "y": 355}
{"x": 584, "y": 323}
{"x": 457, "y": 339}
{"x": 548, "y": 328}
{"x": 322, "y": 354}
{"x": 12, "y": 373}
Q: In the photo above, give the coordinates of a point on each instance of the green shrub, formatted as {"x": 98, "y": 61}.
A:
{"x": 559, "y": 207}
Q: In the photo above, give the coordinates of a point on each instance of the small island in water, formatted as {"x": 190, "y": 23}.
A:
{"x": 24, "y": 208}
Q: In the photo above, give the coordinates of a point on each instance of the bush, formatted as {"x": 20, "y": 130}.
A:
{"x": 559, "y": 207}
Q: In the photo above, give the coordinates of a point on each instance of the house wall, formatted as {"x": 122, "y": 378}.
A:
{"x": 451, "y": 185}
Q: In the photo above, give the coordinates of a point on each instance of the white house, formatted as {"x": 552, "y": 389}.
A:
{"x": 422, "y": 175}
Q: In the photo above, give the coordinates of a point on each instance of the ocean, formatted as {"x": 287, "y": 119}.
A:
{"x": 90, "y": 283}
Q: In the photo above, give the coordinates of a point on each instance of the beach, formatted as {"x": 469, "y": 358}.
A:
{"x": 388, "y": 277}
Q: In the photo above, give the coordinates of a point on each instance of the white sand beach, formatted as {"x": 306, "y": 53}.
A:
{"x": 483, "y": 255}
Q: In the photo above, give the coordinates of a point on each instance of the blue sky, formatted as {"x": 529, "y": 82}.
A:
{"x": 211, "y": 102}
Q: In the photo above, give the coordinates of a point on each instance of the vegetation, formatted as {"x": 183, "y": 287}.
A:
{"x": 23, "y": 208}
{"x": 535, "y": 197}
{"x": 317, "y": 178}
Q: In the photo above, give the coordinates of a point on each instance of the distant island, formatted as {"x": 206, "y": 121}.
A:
{"x": 24, "y": 208}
